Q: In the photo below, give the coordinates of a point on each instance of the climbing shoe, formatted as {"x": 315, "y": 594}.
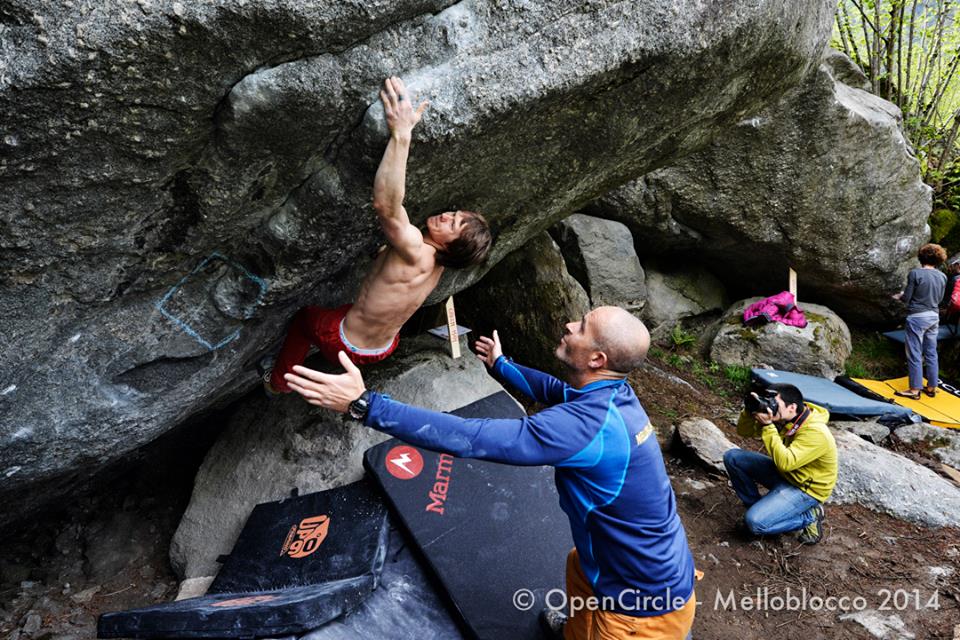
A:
{"x": 813, "y": 532}
{"x": 267, "y": 387}
{"x": 265, "y": 370}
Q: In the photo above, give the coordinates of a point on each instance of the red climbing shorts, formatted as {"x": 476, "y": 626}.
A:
{"x": 321, "y": 328}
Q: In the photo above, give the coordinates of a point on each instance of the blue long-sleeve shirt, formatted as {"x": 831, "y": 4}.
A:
{"x": 610, "y": 476}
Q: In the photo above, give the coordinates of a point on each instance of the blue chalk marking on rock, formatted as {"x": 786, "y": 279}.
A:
{"x": 190, "y": 331}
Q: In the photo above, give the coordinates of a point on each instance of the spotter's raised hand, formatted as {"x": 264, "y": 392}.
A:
{"x": 489, "y": 349}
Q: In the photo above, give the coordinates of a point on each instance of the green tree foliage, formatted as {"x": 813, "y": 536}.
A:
{"x": 910, "y": 51}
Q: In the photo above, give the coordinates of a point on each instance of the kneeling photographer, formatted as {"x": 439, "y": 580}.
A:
{"x": 799, "y": 472}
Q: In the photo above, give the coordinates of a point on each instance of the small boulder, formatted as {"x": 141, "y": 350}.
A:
{"x": 707, "y": 441}
{"x": 675, "y": 294}
{"x": 820, "y": 349}
{"x": 890, "y": 483}
{"x": 600, "y": 255}
{"x": 32, "y": 623}
{"x": 869, "y": 430}
{"x": 944, "y": 443}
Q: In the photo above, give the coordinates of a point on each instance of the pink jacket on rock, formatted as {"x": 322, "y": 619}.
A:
{"x": 779, "y": 308}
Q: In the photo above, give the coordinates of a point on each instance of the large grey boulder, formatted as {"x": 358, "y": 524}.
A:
{"x": 272, "y": 446}
{"x": 180, "y": 177}
{"x": 819, "y": 349}
{"x": 600, "y": 255}
{"x": 890, "y": 483}
{"x": 528, "y": 298}
{"x": 684, "y": 292}
{"x": 822, "y": 181}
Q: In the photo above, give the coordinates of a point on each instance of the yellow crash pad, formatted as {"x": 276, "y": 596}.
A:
{"x": 943, "y": 410}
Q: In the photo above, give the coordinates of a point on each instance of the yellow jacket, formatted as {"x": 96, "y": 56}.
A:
{"x": 808, "y": 459}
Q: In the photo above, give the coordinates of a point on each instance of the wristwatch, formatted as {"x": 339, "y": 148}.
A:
{"x": 359, "y": 407}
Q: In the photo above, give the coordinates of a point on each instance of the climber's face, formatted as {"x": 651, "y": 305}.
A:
{"x": 445, "y": 227}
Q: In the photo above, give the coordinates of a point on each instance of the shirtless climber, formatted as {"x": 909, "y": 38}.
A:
{"x": 403, "y": 274}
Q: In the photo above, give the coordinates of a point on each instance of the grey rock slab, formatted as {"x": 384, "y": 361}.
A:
{"x": 707, "y": 441}
{"x": 821, "y": 348}
{"x": 944, "y": 443}
{"x": 600, "y": 255}
{"x": 193, "y": 587}
{"x": 179, "y": 178}
{"x": 684, "y": 292}
{"x": 270, "y": 446}
{"x": 822, "y": 181}
{"x": 868, "y": 430}
{"x": 890, "y": 483}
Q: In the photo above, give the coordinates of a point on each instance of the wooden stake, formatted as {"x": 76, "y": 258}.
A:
{"x": 793, "y": 284}
{"x": 452, "y": 329}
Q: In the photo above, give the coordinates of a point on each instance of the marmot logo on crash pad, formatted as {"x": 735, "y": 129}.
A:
{"x": 404, "y": 463}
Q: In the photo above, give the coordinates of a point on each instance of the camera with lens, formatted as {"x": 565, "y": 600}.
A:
{"x": 761, "y": 401}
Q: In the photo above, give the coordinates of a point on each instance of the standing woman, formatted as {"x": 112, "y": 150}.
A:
{"x": 922, "y": 295}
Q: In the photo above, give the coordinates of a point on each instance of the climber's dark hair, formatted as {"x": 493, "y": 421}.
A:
{"x": 473, "y": 245}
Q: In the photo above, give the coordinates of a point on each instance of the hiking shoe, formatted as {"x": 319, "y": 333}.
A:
{"x": 813, "y": 532}
{"x": 552, "y": 622}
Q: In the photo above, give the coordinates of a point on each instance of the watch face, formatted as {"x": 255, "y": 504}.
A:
{"x": 358, "y": 408}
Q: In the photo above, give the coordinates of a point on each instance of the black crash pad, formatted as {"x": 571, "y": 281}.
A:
{"x": 499, "y": 528}
{"x": 297, "y": 564}
{"x": 406, "y": 605}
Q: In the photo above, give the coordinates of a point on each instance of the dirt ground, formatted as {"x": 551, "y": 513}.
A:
{"x": 109, "y": 552}
{"x": 894, "y": 567}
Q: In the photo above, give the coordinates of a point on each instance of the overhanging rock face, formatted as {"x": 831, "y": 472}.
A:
{"x": 179, "y": 177}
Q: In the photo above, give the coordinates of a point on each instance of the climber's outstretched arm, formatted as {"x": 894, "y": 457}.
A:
{"x": 389, "y": 184}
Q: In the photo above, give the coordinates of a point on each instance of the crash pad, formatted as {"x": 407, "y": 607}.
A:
{"x": 486, "y": 530}
{"x": 834, "y": 397}
{"x": 297, "y": 564}
{"x": 946, "y": 332}
{"x": 407, "y": 604}
{"x": 943, "y": 410}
